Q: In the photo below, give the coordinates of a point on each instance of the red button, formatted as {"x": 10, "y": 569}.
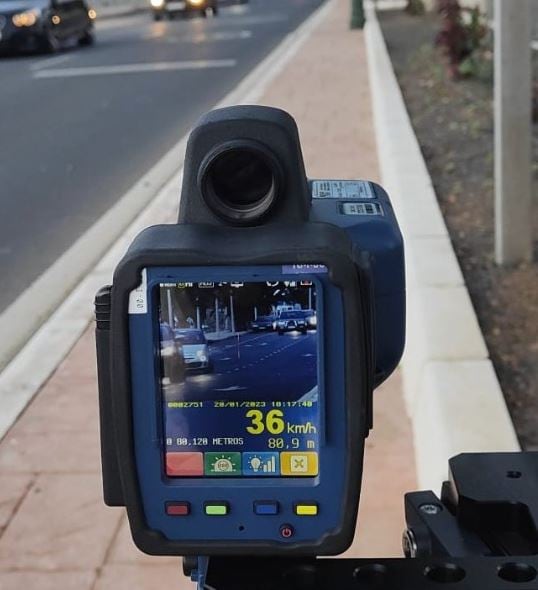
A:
{"x": 178, "y": 508}
{"x": 286, "y": 530}
{"x": 184, "y": 464}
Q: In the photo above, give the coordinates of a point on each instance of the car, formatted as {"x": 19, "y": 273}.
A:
{"x": 168, "y": 8}
{"x": 195, "y": 349}
{"x": 44, "y": 25}
{"x": 291, "y": 321}
{"x": 286, "y": 307}
{"x": 263, "y": 323}
{"x": 172, "y": 362}
{"x": 311, "y": 319}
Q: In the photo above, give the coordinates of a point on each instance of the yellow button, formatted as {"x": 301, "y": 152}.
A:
{"x": 298, "y": 464}
{"x": 306, "y": 509}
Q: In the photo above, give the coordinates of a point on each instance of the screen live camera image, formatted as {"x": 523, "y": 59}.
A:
{"x": 239, "y": 378}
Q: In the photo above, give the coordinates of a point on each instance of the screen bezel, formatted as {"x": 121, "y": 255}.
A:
{"x": 348, "y": 377}
{"x": 244, "y": 274}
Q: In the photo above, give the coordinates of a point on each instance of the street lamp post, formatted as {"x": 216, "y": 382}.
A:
{"x": 232, "y": 313}
{"x": 357, "y": 14}
{"x": 170, "y": 308}
{"x": 513, "y": 132}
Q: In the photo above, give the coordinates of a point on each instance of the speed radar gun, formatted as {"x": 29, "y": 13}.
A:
{"x": 238, "y": 350}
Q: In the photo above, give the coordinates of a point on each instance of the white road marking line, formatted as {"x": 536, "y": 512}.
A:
{"x": 231, "y": 388}
{"x": 119, "y": 23}
{"x": 257, "y": 20}
{"x": 202, "y": 37}
{"x": 238, "y": 9}
{"x": 163, "y": 66}
{"x": 51, "y": 61}
{"x": 227, "y": 36}
{"x": 69, "y": 284}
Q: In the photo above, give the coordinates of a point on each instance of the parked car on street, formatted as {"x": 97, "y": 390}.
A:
{"x": 169, "y": 8}
{"x": 311, "y": 319}
{"x": 172, "y": 363}
{"x": 263, "y": 323}
{"x": 195, "y": 349}
{"x": 44, "y": 25}
{"x": 290, "y": 321}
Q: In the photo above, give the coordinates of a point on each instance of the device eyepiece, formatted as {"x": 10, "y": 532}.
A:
{"x": 240, "y": 181}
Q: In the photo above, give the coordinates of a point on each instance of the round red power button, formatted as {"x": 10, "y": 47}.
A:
{"x": 286, "y": 531}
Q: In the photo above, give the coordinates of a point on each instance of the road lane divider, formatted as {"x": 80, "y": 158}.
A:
{"x": 49, "y": 317}
{"x": 50, "y": 61}
{"x": 196, "y": 38}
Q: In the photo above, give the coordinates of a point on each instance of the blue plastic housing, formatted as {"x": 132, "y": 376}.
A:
{"x": 375, "y": 234}
{"x": 327, "y": 490}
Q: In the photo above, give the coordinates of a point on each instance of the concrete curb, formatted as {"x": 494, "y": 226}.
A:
{"x": 451, "y": 391}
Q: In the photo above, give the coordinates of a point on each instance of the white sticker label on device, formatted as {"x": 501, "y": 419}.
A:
{"x": 138, "y": 299}
{"x": 361, "y": 209}
{"x": 342, "y": 189}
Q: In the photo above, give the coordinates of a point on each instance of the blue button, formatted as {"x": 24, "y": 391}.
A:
{"x": 266, "y": 507}
{"x": 261, "y": 464}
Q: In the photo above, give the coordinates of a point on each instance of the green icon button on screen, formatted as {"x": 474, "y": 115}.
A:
{"x": 222, "y": 464}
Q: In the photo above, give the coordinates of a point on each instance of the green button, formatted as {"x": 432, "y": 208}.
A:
{"x": 216, "y": 509}
{"x": 222, "y": 464}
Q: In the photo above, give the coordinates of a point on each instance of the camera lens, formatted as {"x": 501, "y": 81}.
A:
{"x": 239, "y": 181}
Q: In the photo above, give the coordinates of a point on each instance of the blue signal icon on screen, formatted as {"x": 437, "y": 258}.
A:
{"x": 261, "y": 464}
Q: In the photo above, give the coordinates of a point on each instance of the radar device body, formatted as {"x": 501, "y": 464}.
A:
{"x": 239, "y": 348}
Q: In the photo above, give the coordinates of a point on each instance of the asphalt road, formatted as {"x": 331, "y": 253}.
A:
{"x": 254, "y": 367}
{"x": 78, "y": 129}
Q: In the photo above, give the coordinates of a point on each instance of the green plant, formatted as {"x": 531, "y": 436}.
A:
{"x": 415, "y": 7}
{"x": 463, "y": 37}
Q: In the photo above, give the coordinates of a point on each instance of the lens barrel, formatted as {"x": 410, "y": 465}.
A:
{"x": 240, "y": 181}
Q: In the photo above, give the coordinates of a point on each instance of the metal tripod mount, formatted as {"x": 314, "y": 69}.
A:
{"x": 482, "y": 533}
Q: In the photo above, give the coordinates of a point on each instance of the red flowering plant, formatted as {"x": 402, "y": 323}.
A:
{"x": 463, "y": 37}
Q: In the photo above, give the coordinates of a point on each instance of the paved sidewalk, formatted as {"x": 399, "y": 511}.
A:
{"x": 55, "y": 532}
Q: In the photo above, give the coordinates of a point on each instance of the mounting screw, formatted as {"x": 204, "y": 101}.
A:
{"x": 430, "y": 509}
{"x": 409, "y": 543}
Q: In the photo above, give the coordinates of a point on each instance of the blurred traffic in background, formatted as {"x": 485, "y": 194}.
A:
{"x": 47, "y": 26}
{"x": 81, "y": 126}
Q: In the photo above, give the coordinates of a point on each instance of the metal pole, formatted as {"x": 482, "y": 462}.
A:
{"x": 357, "y": 14}
{"x": 232, "y": 315}
{"x": 513, "y": 128}
{"x": 198, "y": 317}
{"x": 489, "y": 9}
{"x": 217, "y": 315}
{"x": 170, "y": 310}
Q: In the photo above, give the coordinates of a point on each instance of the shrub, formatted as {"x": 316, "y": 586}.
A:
{"x": 463, "y": 37}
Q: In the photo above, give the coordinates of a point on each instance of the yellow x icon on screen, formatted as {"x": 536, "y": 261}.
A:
{"x": 299, "y": 464}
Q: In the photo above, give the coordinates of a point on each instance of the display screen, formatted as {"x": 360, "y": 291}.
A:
{"x": 239, "y": 379}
